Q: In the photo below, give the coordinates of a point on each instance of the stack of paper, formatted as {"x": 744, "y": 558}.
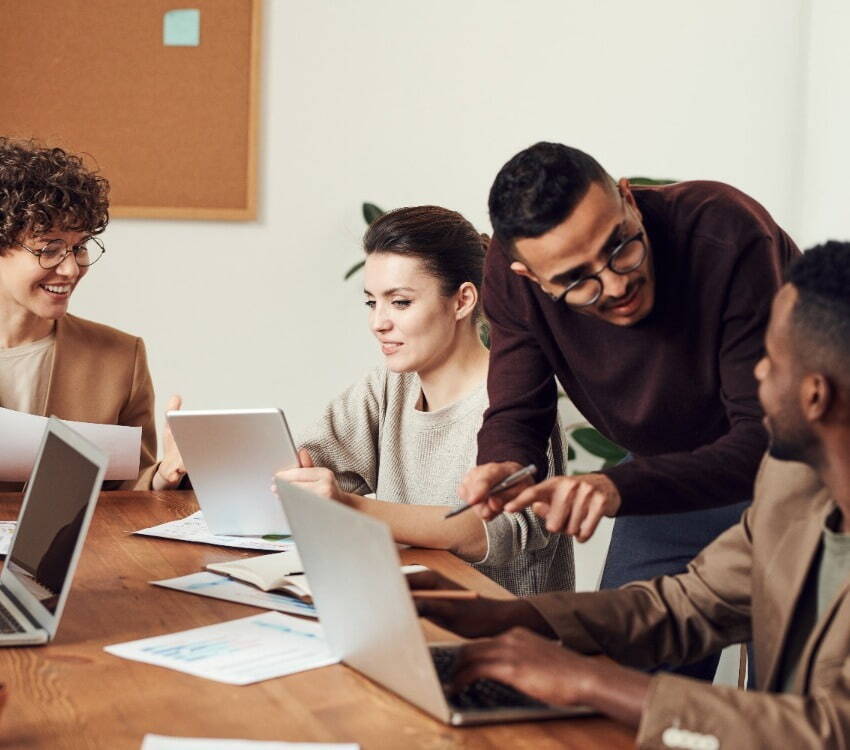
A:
{"x": 222, "y": 587}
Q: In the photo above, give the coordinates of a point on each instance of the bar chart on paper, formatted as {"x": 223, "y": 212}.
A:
{"x": 237, "y": 652}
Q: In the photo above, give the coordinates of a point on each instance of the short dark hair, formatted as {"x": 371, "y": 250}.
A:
{"x": 450, "y": 248}
{"x": 821, "y": 316}
{"x": 44, "y": 188}
{"x": 539, "y": 187}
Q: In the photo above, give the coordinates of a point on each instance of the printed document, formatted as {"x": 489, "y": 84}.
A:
{"x": 222, "y": 587}
{"x": 194, "y": 529}
{"x": 7, "y": 531}
{"x": 238, "y": 652}
{"x": 20, "y": 436}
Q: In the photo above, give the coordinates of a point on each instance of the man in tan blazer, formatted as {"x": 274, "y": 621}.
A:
{"x": 781, "y": 577}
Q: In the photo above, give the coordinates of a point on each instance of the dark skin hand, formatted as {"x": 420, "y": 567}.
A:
{"x": 531, "y": 662}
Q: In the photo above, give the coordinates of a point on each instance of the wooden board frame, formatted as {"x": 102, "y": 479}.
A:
{"x": 93, "y": 77}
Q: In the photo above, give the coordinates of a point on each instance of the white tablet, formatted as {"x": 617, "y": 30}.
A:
{"x": 231, "y": 456}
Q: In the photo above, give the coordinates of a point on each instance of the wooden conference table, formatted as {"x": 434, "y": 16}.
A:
{"x": 72, "y": 694}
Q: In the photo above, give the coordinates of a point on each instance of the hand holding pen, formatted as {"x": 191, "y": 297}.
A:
{"x": 510, "y": 481}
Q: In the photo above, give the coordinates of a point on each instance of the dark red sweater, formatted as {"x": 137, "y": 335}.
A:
{"x": 677, "y": 389}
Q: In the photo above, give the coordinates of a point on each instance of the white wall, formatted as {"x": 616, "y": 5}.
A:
{"x": 825, "y": 116}
{"x": 402, "y": 102}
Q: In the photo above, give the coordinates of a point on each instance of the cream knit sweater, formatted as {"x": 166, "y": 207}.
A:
{"x": 376, "y": 441}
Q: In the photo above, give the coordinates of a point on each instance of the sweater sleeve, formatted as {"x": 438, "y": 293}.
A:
{"x": 520, "y": 381}
{"x": 509, "y": 534}
{"x": 345, "y": 438}
{"x": 722, "y": 472}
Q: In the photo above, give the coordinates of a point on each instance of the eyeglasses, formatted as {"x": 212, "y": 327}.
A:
{"x": 625, "y": 258}
{"x": 87, "y": 253}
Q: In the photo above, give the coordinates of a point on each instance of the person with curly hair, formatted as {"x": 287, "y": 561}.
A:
{"x": 52, "y": 209}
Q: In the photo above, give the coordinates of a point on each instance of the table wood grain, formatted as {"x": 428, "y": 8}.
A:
{"x": 71, "y": 694}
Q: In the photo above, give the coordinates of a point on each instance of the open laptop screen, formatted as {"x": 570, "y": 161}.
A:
{"x": 49, "y": 528}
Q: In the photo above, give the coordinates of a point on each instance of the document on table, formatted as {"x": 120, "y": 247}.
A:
{"x": 7, "y": 531}
{"x": 20, "y": 436}
{"x": 194, "y": 529}
{"x": 222, "y": 587}
{"x": 238, "y": 652}
{"x": 160, "y": 742}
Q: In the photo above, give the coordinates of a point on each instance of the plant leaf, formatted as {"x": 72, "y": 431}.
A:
{"x": 484, "y": 333}
{"x": 650, "y": 181}
{"x": 354, "y": 269}
{"x": 371, "y": 212}
{"x": 597, "y": 445}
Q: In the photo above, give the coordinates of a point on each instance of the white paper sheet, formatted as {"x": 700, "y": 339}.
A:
{"x": 7, "y": 531}
{"x": 194, "y": 529}
{"x": 20, "y": 436}
{"x": 238, "y": 652}
{"x": 160, "y": 742}
{"x": 222, "y": 587}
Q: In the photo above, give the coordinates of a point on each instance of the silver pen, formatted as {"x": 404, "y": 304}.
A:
{"x": 505, "y": 484}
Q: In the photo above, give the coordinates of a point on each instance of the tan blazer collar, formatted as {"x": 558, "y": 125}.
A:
{"x": 791, "y": 563}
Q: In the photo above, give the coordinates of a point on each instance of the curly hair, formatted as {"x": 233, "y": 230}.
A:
{"x": 821, "y": 315}
{"x": 47, "y": 188}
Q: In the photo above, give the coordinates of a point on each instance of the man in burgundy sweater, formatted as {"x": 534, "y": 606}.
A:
{"x": 649, "y": 305}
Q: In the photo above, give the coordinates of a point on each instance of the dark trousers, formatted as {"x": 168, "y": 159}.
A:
{"x": 643, "y": 547}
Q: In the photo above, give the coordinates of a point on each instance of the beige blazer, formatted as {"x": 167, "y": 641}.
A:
{"x": 744, "y": 585}
{"x": 100, "y": 374}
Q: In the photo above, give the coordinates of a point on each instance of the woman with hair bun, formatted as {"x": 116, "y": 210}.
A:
{"x": 407, "y": 431}
{"x": 52, "y": 210}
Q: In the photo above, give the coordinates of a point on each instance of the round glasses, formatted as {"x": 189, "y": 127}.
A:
{"x": 87, "y": 253}
{"x": 624, "y": 258}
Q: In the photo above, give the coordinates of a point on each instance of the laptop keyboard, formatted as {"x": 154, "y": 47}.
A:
{"x": 481, "y": 694}
{"x": 8, "y": 623}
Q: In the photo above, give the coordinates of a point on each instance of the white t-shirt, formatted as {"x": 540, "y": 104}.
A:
{"x": 25, "y": 375}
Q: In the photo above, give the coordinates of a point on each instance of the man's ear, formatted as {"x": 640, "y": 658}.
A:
{"x": 817, "y": 394}
{"x": 520, "y": 269}
{"x": 626, "y": 191}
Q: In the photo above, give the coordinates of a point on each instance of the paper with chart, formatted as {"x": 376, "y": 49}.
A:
{"x": 221, "y": 587}
{"x": 20, "y": 436}
{"x": 161, "y": 742}
{"x": 238, "y": 652}
{"x": 7, "y": 531}
{"x": 194, "y": 529}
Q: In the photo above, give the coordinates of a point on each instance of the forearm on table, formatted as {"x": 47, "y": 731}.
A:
{"x": 426, "y": 526}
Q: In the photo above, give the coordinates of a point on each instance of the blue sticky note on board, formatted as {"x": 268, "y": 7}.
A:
{"x": 181, "y": 27}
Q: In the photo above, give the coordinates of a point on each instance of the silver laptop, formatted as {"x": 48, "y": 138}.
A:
{"x": 55, "y": 515}
{"x": 370, "y": 622}
{"x": 231, "y": 456}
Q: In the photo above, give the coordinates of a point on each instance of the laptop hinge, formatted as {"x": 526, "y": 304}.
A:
{"x": 14, "y": 599}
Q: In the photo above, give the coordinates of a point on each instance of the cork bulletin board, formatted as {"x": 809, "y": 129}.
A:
{"x": 162, "y": 97}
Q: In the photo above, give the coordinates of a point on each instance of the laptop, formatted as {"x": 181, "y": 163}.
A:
{"x": 231, "y": 456}
{"x": 370, "y": 621}
{"x": 57, "y": 508}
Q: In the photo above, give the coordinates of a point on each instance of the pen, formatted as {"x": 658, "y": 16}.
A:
{"x": 506, "y": 483}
